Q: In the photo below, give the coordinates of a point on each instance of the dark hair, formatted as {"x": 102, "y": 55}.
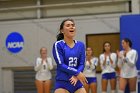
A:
{"x": 104, "y": 45}
{"x": 127, "y": 40}
{"x": 89, "y": 47}
{"x": 60, "y": 36}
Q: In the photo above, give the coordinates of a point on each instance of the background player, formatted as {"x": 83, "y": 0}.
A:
{"x": 43, "y": 76}
{"x": 127, "y": 59}
{"x": 90, "y": 71}
{"x": 108, "y": 64}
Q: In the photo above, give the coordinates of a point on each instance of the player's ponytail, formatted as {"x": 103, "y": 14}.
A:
{"x": 60, "y": 36}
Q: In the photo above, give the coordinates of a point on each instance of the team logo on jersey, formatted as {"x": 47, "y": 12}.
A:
{"x": 14, "y": 42}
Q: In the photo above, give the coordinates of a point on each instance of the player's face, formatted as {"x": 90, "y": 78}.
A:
{"x": 43, "y": 52}
{"x": 69, "y": 29}
{"x": 124, "y": 44}
{"x": 89, "y": 52}
{"x": 107, "y": 47}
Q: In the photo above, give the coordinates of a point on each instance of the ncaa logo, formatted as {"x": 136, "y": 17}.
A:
{"x": 14, "y": 42}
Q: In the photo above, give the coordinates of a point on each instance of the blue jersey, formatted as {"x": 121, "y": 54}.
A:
{"x": 70, "y": 61}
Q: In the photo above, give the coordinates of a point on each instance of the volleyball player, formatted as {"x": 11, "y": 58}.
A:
{"x": 43, "y": 76}
{"x": 69, "y": 55}
{"x": 90, "y": 71}
{"x": 127, "y": 59}
{"x": 108, "y": 64}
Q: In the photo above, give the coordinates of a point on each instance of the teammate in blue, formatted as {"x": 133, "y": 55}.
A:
{"x": 69, "y": 55}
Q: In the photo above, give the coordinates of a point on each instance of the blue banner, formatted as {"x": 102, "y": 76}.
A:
{"x": 130, "y": 28}
{"x": 14, "y": 42}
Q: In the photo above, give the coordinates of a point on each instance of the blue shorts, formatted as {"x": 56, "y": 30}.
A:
{"x": 109, "y": 76}
{"x": 91, "y": 80}
{"x": 68, "y": 86}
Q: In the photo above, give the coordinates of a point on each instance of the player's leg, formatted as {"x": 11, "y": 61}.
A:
{"x": 113, "y": 82}
{"x": 104, "y": 85}
{"x": 93, "y": 84}
{"x": 86, "y": 86}
{"x": 93, "y": 87}
{"x": 104, "y": 81}
{"x": 61, "y": 90}
{"x": 81, "y": 90}
{"x": 113, "y": 85}
{"x": 132, "y": 84}
{"x": 39, "y": 85}
{"x": 122, "y": 84}
{"x": 47, "y": 86}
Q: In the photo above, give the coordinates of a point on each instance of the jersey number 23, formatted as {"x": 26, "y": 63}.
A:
{"x": 73, "y": 61}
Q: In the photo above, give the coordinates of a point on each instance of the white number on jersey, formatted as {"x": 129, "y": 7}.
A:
{"x": 73, "y": 61}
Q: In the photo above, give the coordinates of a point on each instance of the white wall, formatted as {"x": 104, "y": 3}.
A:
{"x": 38, "y": 33}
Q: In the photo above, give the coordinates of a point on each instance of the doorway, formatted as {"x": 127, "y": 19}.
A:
{"x": 95, "y": 41}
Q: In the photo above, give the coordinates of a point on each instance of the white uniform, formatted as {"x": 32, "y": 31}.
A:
{"x": 108, "y": 68}
{"x": 90, "y": 69}
{"x": 127, "y": 64}
{"x": 43, "y": 69}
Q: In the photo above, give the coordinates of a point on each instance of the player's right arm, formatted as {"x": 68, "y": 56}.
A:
{"x": 38, "y": 64}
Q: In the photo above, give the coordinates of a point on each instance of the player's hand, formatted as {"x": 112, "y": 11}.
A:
{"x": 92, "y": 66}
{"x": 118, "y": 54}
{"x": 88, "y": 59}
{"x": 82, "y": 78}
{"x": 124, "y": 53}
{"x": 105, "y": 55}
{"x": 109, "y": 56}
{"x": 73, "y": 80}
